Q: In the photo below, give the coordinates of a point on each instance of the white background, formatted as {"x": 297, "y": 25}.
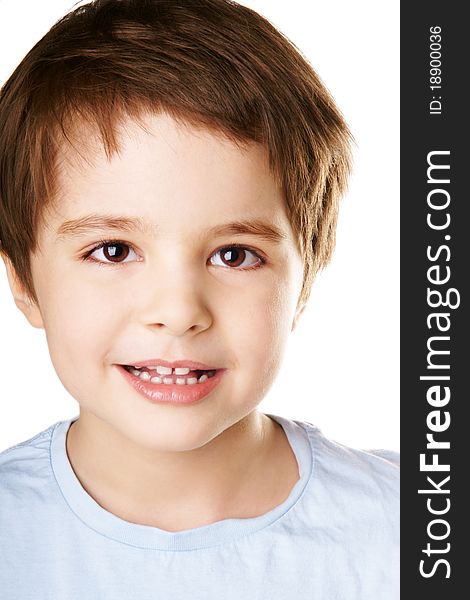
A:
{"x": 341, "y": 369}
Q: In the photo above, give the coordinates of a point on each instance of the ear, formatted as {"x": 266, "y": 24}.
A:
{"x": 28, "y": 307}
{"x": 300, "y": 309}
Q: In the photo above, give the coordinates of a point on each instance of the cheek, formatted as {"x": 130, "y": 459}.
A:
{"x": 80, "y": 324}
{"x": 260, "y": 326}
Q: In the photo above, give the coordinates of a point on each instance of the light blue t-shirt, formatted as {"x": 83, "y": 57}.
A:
{"x": 334, "y": 538}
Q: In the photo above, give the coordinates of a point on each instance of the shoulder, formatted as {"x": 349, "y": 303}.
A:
{"x": 363, "y": 484}
{"x": 379, "y": 466}
{"x": 38, "y": 442}
{"x": 25, "y": 466}
{"x": 350, "y": 511}
{"x": 373, "y": 469}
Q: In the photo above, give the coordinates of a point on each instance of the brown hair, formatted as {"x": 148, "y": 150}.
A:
{"x": 213, "y": 63}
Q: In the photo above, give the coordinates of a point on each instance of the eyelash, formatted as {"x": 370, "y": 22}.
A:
{"x": 102, "y": 243}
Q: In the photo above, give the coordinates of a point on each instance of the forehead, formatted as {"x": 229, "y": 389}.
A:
{"x": 156, "y": 138}
{"x": 163, "y": 164}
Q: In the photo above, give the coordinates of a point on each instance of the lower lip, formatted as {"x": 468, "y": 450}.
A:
{"x": 173, "y": 393}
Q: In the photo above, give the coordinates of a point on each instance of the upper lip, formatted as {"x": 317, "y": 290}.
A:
{"x": 194, "y": 365}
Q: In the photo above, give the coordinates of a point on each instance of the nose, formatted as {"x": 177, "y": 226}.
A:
{"x": 177, "y": 304}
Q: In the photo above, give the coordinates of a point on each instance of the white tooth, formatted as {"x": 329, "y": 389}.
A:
{"x": 152, "y": 368}
{"x": 135, "y": 372}
{"x": 156, "y": 380}
{"x": 168, "y": 380}
{"x": 203, "y": 378}
{"x": 144, "y": 376}
{"x": 182, "y": 370}
{"x": 164, "y": 370}
{"x": 191, "y": 380}
{"x": 180, "y": 380}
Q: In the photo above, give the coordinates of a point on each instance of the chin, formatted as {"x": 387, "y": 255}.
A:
{"x": 167, "y": 435}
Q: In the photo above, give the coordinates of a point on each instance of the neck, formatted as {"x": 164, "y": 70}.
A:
{"x": 173, "y": 490}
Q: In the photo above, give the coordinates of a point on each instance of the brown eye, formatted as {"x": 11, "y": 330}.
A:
{"x": 112, "y": 252}
{"x": 233, "y": 257}
{"x": 236, "y": 257}
{"x": 115, "y": 252}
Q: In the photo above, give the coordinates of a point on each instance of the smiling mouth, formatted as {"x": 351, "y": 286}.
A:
{"x": 168, "y": 376}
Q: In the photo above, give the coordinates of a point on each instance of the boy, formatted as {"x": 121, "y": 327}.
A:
{"x": 169, "y": 180}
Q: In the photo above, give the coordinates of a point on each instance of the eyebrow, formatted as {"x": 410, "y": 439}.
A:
{"x": 95, "y": 222}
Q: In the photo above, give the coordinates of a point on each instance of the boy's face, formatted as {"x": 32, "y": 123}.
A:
{"x": 175, "y": 289}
